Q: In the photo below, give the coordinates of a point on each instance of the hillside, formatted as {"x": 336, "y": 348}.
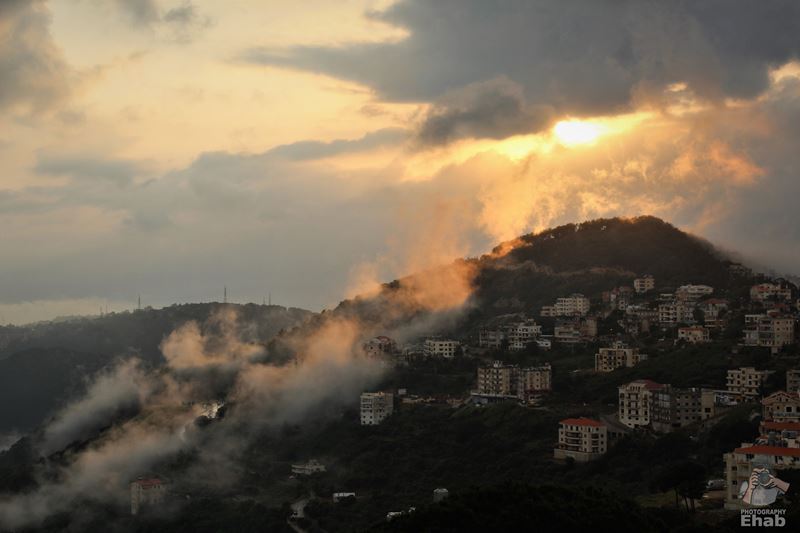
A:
{"x": 44, "y": 364}
{"x": 535, "y": 269}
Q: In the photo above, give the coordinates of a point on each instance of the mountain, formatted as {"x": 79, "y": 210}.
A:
{"x": 45, "y": 364}
{"x": 533, "y": 270}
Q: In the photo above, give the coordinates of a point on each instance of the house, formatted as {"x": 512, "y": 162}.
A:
{"x": 675, "y": 312}
{"x": 781, "y": 406}
{"x": 745, "y": 383}
{"x": 440, "y": 494}
{"x": 694, "y": 334}
{"x": 146, "y": 493}
{"x": 644, "y": 284}
{"x": 376, "y": 407}
{"x": 714, "y": 310}
{"x": 436, "y": 347}
{"x": 635, "y": 402}
{"x": 783, "y": 434}
{"x": 582, "y": 439}
{"x": 306, "y": 469}
{"x": 617, "y": 356}
{"x": 521, "y": 334}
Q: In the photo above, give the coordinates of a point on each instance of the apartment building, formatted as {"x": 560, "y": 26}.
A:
{"x": 773, "y": 292}
{"x": 521, "y": 334}
{"x": 582, "y": 439}
{"x": 740, "y": 463}
{"x": 635, "y": 402}
{"x": 745, "y": 383}
{"x": 378, "y": 346}
{"x": 444, "y": 348}
{"x": 572, "y": 305}
{"x": 781, "y": 406}
{"x": 675, "y": 312}
{"x": 793, "y": 381}
{"x": 146, "y": 493}
{"x": 693, "y": 292}
{"x": 510, "y": 381}
{"x": 644, "y": 284}
{"x": 376, "y": 407}
{"x": 617, "y": 356}
{"x": 714, "y": 310}
{"x": 694, "y": 334}
{"x": 672, "y": 408}
{"x": 769, "y": 330}
{"x": 492, "y": 338}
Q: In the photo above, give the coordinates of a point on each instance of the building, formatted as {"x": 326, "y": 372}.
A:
{"x": 379, "y": 346}
{"x": 498, "y": 380}
{"x": 714, "y": 310}
{"x": 440, "y": 494}
{"x": 694, "y": 334}
{"x": 769, "y": 331}
{"x": 782, "y": 434}
{"x": 375, "y": 407}
{"x": 492, "y": 338}
{"x": 306, "y": 469}
{"x": 675, "y": 312}
{"x": 793, "y": 381}
{"x": 582, "y": 439}
{"x": 745, "y": 383}
{"x": 673, "y": 408}
{"x": 617, "y": 356}
{"x": 572, "y": 305}
{"x": 772, "y": 292}
{"x": 146, "y": 493}
{"x": 635, "y": 402}
{"x": 339, "y": 496}
{"x": 509, "y": 381}
{"x": 781, "y": 406}
{"x": 435, "y": 347}
{"x": 644, "y": 284}
{"x": 693, "y": 292}
{"x": 522, "y": 334}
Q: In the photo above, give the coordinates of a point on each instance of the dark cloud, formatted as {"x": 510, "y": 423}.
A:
{"x": 181, "y": 22}
{"x": 495, "y": 109}
{"x": 580, "y": 57}
{"x": 34, "y": 74}
{"x": 140, "y": 12}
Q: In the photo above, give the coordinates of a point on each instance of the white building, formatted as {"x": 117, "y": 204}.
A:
{"x": 636, "y": 402}
{"x": 145, "y": 493}
{"x": 435, "y": 347}
{"x": 771, "y": 331}
{"x": 582, "y": 439}
{"x": 339, "y": 496}
{"x": 675, "y": 312}
{"x": 522, "y": 334}
{"x": 693, "y": 292}
{"x": 509, "y": 381}
{"x": 375, "y": 407}
{"x": 644, "y": 284}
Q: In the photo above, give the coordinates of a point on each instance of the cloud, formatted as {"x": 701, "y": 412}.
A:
{"x": 494, "y": 109}
{"x": 36, "y": 78}
{"x": 181, "y": 22}
{"x": 308, "y": 150}
{"x": 586, "y": 58}
{"x": 120, "y": 172}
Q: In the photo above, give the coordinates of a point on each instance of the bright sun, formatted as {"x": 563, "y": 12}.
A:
{"x": 572, "y": 132}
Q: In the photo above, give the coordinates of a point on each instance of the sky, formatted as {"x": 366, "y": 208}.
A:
{"x": 170, "y": 148}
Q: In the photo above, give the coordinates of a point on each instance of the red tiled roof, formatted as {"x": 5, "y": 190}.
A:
{"x": 769, "y": 450}
{"x": 582, "y": 421}
{"x": 650, "y": 384}
{"x": 781, "y": 425}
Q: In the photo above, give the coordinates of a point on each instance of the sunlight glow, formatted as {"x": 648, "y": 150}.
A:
{"x": 575, "y": 132}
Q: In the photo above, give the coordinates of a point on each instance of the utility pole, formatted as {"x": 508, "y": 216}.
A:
{"x": 225, "y": 295}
